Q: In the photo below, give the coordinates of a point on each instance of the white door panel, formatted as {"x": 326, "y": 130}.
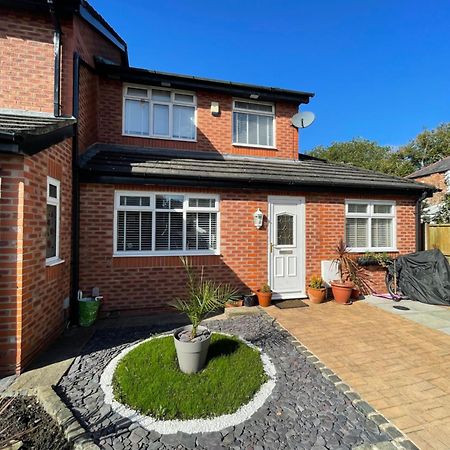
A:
{"x": 286, "y": 246}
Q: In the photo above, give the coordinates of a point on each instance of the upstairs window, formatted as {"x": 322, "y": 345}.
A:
{"x": 370, "y": 225}
{"x": 253, "y": 123}
{"x": 53, "y": 214}
{"x": 165, "y": 224}
{"x": 159, "y": 113}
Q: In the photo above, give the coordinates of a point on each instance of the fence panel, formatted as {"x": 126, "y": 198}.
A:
{"x": 438, "y": 236}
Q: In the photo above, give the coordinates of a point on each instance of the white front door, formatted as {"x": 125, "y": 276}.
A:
{"x": 287, "y": 246}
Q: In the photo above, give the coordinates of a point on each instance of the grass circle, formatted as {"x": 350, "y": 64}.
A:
{"x": 149, "y": 380}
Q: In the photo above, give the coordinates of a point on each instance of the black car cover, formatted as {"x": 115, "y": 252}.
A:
{"x": 425, "y": 277}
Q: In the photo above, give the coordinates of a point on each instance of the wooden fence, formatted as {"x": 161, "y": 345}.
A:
{"x": 438, "y": 236}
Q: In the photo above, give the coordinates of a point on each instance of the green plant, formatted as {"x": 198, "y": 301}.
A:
{"x": 203, "y": 297}
{"x": 265, "y": 288}
{"x": 349, "y": 270}
{"x": 316, "y": 282}
{"x": 381, "y": 259}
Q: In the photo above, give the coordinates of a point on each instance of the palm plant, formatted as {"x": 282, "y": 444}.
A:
{"x": 203, "y": 297}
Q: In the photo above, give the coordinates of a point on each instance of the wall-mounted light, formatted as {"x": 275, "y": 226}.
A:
{"x": 258, "y": 218}
{"x": 254, "y": 96}
{"x": 165, "y": 83}
{"x": 215, "y": 109}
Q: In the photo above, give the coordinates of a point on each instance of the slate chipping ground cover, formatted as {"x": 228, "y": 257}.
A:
{"x": 305, "y": 410}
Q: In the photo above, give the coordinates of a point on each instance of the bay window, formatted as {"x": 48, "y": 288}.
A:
{"x": 165, "y": 224}
{"x": 253, "y": 123}
{"x": 159, "y": 113}
{"x": 370, "y": 225}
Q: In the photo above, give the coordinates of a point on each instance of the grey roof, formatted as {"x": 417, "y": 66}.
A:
{"x": 29, "y": 132}
{"x": 440, "y": 166}
{"x": 112, "y": 162}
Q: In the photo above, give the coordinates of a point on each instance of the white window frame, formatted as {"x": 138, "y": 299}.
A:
{"x": 186, "y": 208}
{"x": 54, "y": 202}
{"x": 370, "y": 215}
{"x": 150, "y": 101}
{"x": 259, "y": 113}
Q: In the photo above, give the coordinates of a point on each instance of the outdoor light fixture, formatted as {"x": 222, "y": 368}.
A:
{"x": 254, "y": 96}
{"x": 215, "y": 109}
{"x": 258, "y": 218}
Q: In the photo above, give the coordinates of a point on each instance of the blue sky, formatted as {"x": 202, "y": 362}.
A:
{"x": 380, "y": 68}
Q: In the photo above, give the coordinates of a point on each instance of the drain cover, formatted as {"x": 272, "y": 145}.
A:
{"x": 403, "y": 308}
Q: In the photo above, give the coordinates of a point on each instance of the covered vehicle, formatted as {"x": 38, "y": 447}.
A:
{"x": 424, "y": 277}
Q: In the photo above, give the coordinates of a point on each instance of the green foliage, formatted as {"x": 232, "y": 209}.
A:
{"x": 443, "y": 215}
{"x": 148, "y": 379}
{"x": 316, "y": 282}
{"x": 426, "y": 148}
{"x": 265, "y": 288}
{"x": 204, "y": 296}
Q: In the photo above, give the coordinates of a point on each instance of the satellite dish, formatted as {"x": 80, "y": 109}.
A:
{"x": 303, "y": 119}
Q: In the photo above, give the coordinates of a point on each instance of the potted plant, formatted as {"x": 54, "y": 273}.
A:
{"x": 250, "y": 299}
{"x": 234, "y": 303}
{"x": 351, "y": 275}
{"x": 264, "y": 295}
{"x": 317, "y": 293}
{"x": 204, "y": 296}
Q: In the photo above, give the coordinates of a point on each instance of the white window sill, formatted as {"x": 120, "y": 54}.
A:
{"x": 372, "y": 250}
{"x": 53, "y": 262}
{"x": 147, "y": 254}
{"x": 164, "y": 138}
{"x": 266, "y": 147}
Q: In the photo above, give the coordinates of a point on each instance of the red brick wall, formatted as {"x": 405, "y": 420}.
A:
{"x": 32, "y": 313}
{"x": 213, "y": 133}
{"x": 438, "y": 180}
{"x": 26, "y": 61}
{"x": 149, "y": 282}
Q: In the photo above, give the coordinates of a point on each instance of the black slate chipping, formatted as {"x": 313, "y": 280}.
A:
{"x": 126, "y": 161}
{"x": 304, "y": 411}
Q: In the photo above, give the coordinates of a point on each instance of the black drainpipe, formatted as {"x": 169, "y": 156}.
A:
{"x": 57, "y": 58}
{"x": 75, "y": 193}
{"x": 419, "y": 229}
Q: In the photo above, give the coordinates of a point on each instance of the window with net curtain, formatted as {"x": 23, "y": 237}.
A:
{"x": 159, "y": 113}
{"x": 253, "y": 123}
{"x": 152, "y": 223}
{"x": 369, "y": 225}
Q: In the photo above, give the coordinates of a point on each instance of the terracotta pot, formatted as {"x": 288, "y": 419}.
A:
{"x": 317, "y": 295}
{"x": 234, "y": 304}
{"x": 264, "y": 298}
{"x": 341, "y": 291}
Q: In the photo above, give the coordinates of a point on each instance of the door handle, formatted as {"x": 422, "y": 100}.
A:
{"x": 271, "y": 247}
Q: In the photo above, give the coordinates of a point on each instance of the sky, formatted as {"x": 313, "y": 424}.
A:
{"x": 380, "y": 69}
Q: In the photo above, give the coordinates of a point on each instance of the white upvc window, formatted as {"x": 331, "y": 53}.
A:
{"x": 253, "y": 124}
{"x": 157, "y": 224}
{"x": 53, "y": 218}
{"x": 159, "y": 113}
{"x": 370, "y": 225}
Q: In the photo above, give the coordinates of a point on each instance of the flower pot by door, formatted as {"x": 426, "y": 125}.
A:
{"x": 317, "y": 295}
{"x": 192, "y": 354}
{"x": 264, "y": 298}
{"x": 341, "y": 292}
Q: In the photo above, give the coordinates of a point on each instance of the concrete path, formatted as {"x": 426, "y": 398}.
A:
{"x": 401, "y": 367}
{"x": 432, "y": 316}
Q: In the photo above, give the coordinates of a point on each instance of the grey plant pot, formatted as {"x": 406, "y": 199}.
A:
{"x": 191, "y": 355}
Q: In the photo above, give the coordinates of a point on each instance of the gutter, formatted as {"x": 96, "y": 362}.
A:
{"x": 57, "y": 58}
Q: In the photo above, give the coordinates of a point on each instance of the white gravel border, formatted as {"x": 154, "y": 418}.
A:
{"x": 194, "y": 425}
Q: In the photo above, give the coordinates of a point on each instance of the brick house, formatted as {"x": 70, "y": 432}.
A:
{"x": 110, "y": 173}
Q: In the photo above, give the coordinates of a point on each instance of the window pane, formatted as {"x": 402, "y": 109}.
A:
{"x": 169, "y": 231}
{"x": 183, "y": 122}
{"x": 252, "y": 129}
{"x": 132, "y": 230}
{"x": 136, "y": 117}
{"x": 184, "y": 98}
{"x": 202, "y": 202}
{"x": 381, "y": 232}
{"x": 137, "y": 92}
{"x": 161, "y": 120}
{"x": 146, "y": 230}
{"x": 285, "y": 229}
{"x": 131, "y": 200}
{"x": 240, "y": 128}
{"x": 201, "y": 231}
{"x": 161, "y": 95}
{"x": 253, "y": 106}
{"x": 382, "y": 209}
{"x": 356, "y": 232}
{"x": 51, "y": 231}
{"x": 357, "y": 208}
{"x": 120, "y": 231}
{"x": 52, "y": 191}
{"x": 169, "y": 201}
